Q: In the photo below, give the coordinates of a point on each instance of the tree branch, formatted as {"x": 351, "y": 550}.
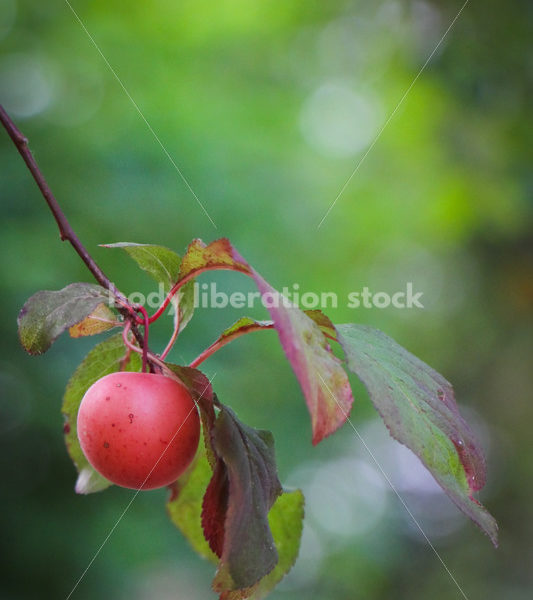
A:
{"x": 65, "y": 230}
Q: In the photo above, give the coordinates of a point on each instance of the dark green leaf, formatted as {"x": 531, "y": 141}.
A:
{"x": 47, "y": 314}
{"x": 103, "y": 359}
{"x": 419, "y": 409}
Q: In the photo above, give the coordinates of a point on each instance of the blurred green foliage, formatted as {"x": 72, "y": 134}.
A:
{"x": 267, "y": 108}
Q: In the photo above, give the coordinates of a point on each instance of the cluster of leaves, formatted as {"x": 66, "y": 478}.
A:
{"x": 230, "y": 503}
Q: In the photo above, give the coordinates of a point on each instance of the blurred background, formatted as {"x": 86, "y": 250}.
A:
{"x": 267, "y": 108}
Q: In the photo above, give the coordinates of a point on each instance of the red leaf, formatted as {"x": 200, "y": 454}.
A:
{"x": 324, "y": 383}
{"x": 214, "y": 508}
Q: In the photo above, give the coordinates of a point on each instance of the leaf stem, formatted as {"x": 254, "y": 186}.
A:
{"x": 174, "y": 337}
{"x": 177, "y": 286}
{"x": 221, "y": 342}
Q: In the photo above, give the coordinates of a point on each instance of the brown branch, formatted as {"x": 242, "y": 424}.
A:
{"x": 65, "y": 230}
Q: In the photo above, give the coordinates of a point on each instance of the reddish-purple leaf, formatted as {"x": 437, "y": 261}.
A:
{"x": 302, "y": 337}
{"x": 201, "y": 391}
{"x": 418, "y": 406}
{"x": 214, "y": 508}
{"x": 324, "y": 383}
{"x": 246, "y": 460}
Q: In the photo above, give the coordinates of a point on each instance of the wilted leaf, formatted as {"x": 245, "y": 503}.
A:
{"x": 47, "y": 314}
{"x": 163, "y": 265}
{"x": 318, "y": 370}
{"x": 103, "y": 359}
{"x": 101, "y": 319}
{"x": 246, "y": 459}
{"x": 286, "y": 523}
{"x": 419, "y": 409}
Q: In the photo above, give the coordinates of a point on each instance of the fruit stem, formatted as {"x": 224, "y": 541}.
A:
{"x": 142, "y": 310}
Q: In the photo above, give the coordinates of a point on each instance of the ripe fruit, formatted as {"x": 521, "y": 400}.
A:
{"x": 139, "y": 430}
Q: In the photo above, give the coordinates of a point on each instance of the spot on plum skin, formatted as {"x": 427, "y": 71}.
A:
{"x": 131, "y": 417}
{"x": 106, "y": 444}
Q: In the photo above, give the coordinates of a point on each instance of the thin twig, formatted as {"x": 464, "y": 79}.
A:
{"x": 65, "y": 230}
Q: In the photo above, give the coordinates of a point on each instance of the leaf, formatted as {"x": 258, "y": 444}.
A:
{"x": 285, "y": 520}
{"x": 219, "y": 254}
{"x": 185, "y": 504}
{"x": 101, "y": 319}
{"x": 201, "y": 390}
{"x": 303, "y": 341}
{"x": 103, "y": 359}
{"x": 323, "y": 321}
{"x": 246, "y": 458}
{"x": 163, "y": 265}
{"x": 318, "y": 370}
{"x": 419, "y": 409}
{"x": 48, "y": 313}
{"x": 243, "y": 325}
{"x": 286, "y": 523}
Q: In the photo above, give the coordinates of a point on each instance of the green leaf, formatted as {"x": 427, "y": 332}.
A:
{"x": 48, "y": 313}
{"x": 418, "y": 406}
{"x": 242, "y": 491}
{"x": 185, "y": 504}
{"x": 163, "y": 265}
{"x": 286, "y": 523}
{"x": 103, "y": 359}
